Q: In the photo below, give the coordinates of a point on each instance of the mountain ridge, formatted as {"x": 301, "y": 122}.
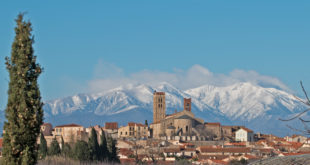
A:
{"x": 245, "y": 104}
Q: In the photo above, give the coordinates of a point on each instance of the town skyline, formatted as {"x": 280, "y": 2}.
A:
{"x": 154, "y": 82}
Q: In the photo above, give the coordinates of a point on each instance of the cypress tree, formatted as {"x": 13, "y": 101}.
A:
{"x": 112, "y": 156}
{"x": 42, "y": 147}
{"x": 23, "y": 112}
{"x": 93, "y": 145}
{"x": 66, "y": 150}
{"x": 103, "y": 147}
{"x": 62, "y": 144}
{"x": 81, "y": 151}
{"x": 54, "y": 148}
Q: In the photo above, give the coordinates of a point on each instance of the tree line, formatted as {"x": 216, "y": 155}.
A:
{"x": 105, "y": 151}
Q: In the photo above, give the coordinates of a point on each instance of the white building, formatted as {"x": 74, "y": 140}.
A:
{"x": 244, "y": 135}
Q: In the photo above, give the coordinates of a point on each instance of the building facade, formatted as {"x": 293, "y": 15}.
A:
{"x": 133, "y": 130}
{"x": 244, "y": 135}
{"x": 71, "y": 132}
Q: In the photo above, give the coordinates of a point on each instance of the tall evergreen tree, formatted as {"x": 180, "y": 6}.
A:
{"x": 113, "y": 154}
{"x": 62, "y": 144}
{"x": 54, "y": 148}
{"x": 66, "y": 150}
{"x": 93, "y": 145}
{"x": 112, "y": 150}
{"x": 81, "y": 151}
{"x": 23, "y": 112}
{"x": 42, "y": 147}
{"x": 103, "y": 147}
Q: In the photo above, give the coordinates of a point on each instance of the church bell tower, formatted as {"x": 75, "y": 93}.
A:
{"x": 159, "y": 106}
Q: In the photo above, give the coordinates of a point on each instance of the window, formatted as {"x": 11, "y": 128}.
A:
{"x": 126, "y": 133}
{"x": 186, "y": 128}
{"x": 121, "y": 133}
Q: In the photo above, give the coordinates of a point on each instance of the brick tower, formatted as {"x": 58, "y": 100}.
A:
{"x": 187, "y": 104}
{"x": 159, "y": 106}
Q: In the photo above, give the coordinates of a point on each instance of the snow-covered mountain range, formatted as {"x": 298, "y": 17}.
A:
{"x": 246, "y": 104}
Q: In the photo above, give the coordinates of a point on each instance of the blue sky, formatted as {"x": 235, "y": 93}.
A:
{"x": 81, "y": 43}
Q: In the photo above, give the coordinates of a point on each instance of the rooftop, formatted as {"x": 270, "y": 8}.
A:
{"x": 69, "y": 125}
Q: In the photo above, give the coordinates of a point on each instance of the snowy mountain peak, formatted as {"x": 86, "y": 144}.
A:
{"x": 241, "y": 103}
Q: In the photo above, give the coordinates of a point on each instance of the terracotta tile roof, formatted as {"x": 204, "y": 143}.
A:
{"x": 69, "y": 125}
{"x": 250, "y": 157}
{"x": 190, "y": 149}
{"x": 225, "y": 150}
{"x": 132, "y": 124}
{"x": 111, "y": 125}
{"x": 188, "y": 144}
{"x": 219, "y": 161}
{"x": 293, "y": 136}
{"x": 265, "y": 150}
{"x": 1, "y": 142}
{"x": 125, "y": 151}
{"x": 236, "y": 144}
{"x": 213, "y": 124}
{"x": 296, "y": 145}
{"x": 246, "y": 129}
{"x": 172, "y": 150}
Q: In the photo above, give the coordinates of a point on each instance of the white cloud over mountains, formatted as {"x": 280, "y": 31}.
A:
{"x": 108, "y": 76}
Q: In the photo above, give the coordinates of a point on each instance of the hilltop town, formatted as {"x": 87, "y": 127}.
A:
{"x": 181, "y": 135}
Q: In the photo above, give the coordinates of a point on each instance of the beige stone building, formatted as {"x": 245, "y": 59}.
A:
{"x": 178, "y": 124}
{"x": 70, "y": 132}
{"x": 133, "y": 130}
{"x": 111, "y": 128}
{"x": 215, "y": 129}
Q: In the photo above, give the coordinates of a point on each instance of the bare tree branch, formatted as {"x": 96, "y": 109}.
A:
{"x": 303, "y": 89}
{"x": 298, "y": 130}
{"x": 302, "y": 101}
{"x": 306, "y": 121}
{"x": 306, "y": 130}
{"x": 298, "y": 115}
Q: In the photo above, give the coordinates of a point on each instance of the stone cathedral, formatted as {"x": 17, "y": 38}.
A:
{"x": 181, "y": 123}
